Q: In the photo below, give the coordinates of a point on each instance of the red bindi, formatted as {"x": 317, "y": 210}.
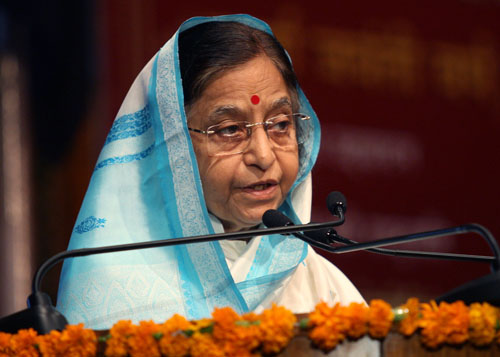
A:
{"x": 255, "y": 99}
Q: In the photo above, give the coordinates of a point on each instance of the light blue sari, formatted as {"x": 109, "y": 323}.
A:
{"x": 145, "y": 187}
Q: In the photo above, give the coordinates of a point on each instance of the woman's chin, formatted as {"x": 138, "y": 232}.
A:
{"x": 243, "y": 223}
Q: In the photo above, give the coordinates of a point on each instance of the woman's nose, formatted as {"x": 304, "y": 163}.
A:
{"x": 260, "y": 151}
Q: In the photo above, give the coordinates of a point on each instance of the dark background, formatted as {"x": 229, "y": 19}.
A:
{"x": 406, "y": 92}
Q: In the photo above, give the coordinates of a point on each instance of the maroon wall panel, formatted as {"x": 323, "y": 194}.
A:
{"x": 407, "y": 94}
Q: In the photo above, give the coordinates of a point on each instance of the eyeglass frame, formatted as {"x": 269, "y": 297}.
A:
{"x": 249, "y": 127}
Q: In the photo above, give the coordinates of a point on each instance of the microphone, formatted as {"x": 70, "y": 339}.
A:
{"x": 316, "y": 237}
{"x": 336, "y": 203}
{"x": 43, "y": 317}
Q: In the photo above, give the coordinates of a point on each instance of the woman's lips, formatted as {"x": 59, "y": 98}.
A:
{"x": 261, "y": 189}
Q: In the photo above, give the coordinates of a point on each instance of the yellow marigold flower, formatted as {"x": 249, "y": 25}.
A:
{"x": 380, "y": 317}
{"x": 174, "y": 343}
{"x": 204, "y": 346}
{"x": 409, "y": 324}
{"x": 483, "y": 319}
{"x": 117, "y": 345}
{"x": 143, "y": 342}
{"x": 328, "y": 326}
{"x": 23, "y": 343}
{"x": 277, "y": 328}
{"x": 5, "y": 344}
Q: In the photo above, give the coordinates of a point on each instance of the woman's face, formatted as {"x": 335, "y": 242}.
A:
{"x": 239, "y": 188}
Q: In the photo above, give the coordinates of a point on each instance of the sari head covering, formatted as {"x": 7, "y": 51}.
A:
{"x": 145, "y": 187}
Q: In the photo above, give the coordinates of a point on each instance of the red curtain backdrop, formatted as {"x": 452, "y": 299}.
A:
{"x": 407, "y": 94}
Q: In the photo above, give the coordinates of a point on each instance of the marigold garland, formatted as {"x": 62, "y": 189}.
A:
{"x": 75, "y": 340}
{"x": 229, "y": 334}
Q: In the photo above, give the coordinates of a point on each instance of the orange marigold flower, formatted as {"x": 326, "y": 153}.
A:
{"x": 174, "y": 343}
{"x": 236, "y": 335}
{"x": 49, "y": 344}
{"x": 204, "y": 346}
{"x": 328, "y": 326}
{"x": 177, "y": 345}
{"x": 75, "y": 340}
{"x": 143, "y": 342}
{"x": 455, "y": 316}
{"x": 224, "y": 323}
{"x": 444, "y": 323}
{"x": 277, "y": 328}
{"x": 380, "y": 317}
{"x": 23, "y": 343}
{"x": 117, "y": 345}
{"x": 409, "y": 323}
{"x": 320, "y": 314}
{"x": 483, "y": 320}
{"x": 5, "y": 344}
{"x": 432, "y": 333}
{"x": 356, "y": 315}
{"x": 249, "y": 332}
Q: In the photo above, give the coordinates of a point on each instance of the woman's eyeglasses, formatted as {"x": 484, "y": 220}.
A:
{"x": 231, "y": 137}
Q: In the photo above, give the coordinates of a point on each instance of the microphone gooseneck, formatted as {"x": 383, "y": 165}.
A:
{"x": 324, "y": 236}
{"x": 485, "y": 288}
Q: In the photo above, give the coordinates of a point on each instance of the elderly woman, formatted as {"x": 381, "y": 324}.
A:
{"x": 213, "y": 132}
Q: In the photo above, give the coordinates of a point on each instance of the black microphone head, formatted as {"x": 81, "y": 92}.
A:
{"x": 335, "y": 201}
{"x": 273, "y": 218}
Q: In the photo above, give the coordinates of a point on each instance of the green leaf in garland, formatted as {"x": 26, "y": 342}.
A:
{"x": 304, "y": 323}
{"x": 104, "y": 338}
{"x": 157, "y": 336}
{"x": 399, "y": 313}
{"x": 207, "y": 329}
{"x": 246, "y": 323}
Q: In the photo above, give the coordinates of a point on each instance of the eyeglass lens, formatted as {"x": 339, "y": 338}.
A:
{"x": 233, "y": 137}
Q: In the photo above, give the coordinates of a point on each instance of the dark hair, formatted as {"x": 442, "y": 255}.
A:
{"x": 208, "y": 50}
